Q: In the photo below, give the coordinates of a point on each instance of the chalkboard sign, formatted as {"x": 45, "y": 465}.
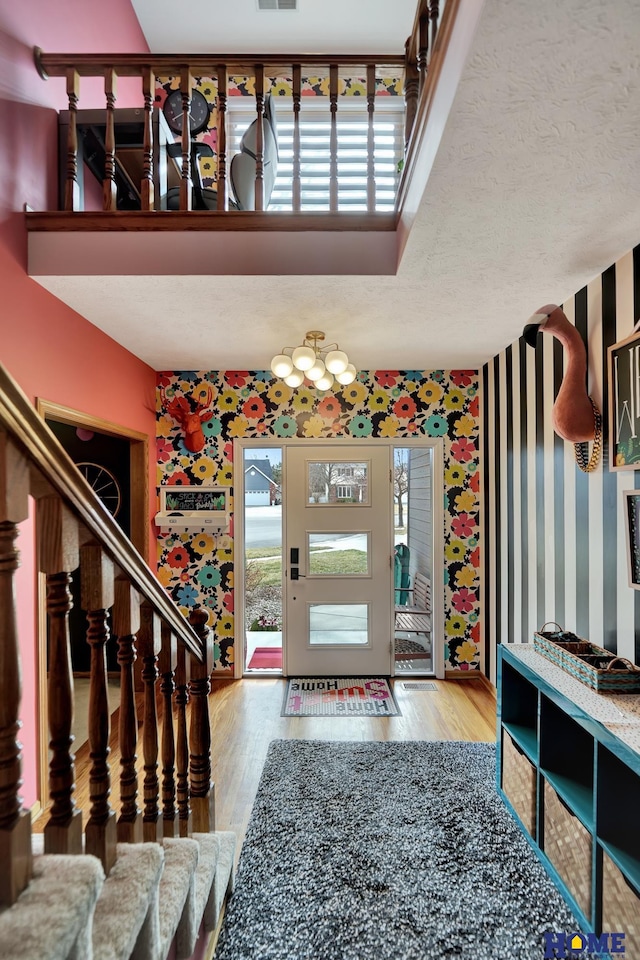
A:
{"x": 632, "y": 515}
{"x": 194, "y": 500}
{"x": 624, "y": 404}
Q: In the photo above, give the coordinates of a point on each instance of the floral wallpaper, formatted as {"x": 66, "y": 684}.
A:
{"x": 278, "y": 87}
{"x": 198, "y": 569}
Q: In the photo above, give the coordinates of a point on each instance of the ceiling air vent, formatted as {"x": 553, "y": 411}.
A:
{"x": 277, "y": 4}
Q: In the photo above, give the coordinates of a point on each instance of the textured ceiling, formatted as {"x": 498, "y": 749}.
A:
{"x": 534, "y": 191}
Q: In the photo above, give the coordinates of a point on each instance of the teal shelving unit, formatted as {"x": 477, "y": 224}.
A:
{"x": 569, "y": 771}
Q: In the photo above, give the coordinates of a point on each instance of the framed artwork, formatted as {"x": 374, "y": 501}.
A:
{"x": 632, "y": 526}
{"x": 624, "y": 403}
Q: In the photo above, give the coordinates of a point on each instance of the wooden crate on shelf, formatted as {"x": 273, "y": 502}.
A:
{"x": 519, "y": 782}
{"x": 620, "y": 906}
{"x": 568, "y": 845}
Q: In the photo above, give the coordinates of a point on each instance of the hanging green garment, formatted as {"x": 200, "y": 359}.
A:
{"x": 401, "y": 577}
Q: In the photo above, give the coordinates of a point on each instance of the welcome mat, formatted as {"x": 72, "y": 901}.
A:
{"x": 344, "y": 697}
{"x": 266, "y": 658}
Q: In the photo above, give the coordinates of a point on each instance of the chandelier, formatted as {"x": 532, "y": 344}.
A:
{"x": 319, "y": 364}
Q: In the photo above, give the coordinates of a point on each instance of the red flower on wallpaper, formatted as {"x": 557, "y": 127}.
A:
{"x": 329, "y": 408}
{"x": 463, "y": 525}
{"x": 464, "y": 600}
{"x": 227, "y": 602}
{"x": 404, "y": 407}
{"x": 164, "y": 449}
{"x": 474, "y": 407}
{"x": 474, "y": 558}
{"x": 177, "y": 558}
{"x": 474, "y": 632}
{"x": 463, "y": 450}
{"x": 462, "y": 378}
{"x": 254, "y": 408}
{"x": 178, "y": 479}
{"x": 236, "y": 378}
{"x": 474, "y": 483}
{"x": 386, "y": 378}
{"x": 164, "y": 379}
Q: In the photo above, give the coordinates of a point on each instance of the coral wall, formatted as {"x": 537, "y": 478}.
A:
{"x": 392, "y": 404}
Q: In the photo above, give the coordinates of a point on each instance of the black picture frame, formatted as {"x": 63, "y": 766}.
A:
{"x": 624, "y": 403}
{"x": 632, "y": 527}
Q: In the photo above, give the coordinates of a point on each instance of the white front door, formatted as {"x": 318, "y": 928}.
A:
{"x": 338, "y": 580}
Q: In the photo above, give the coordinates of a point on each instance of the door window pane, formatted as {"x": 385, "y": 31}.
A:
{"x": 338, "y": 554}
{"x": 339, "y": 624}
{"x": 333, "y": 483}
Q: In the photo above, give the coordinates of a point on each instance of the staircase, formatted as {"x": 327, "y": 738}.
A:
{"x": 137, "y": 883}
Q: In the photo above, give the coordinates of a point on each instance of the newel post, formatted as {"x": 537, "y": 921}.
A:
{"x": 15, "y": 823}
{"x": 202, "y": 788}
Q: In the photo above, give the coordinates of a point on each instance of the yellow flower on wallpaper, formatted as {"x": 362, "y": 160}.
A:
{"x": 164, "y": 576}
{"x": 455, "y": 475}
{"x": 466, "y": 576}
{"x": 224, "y": 626}
{"x": 228, "y": 400}
{"x": 466, "y": 652}
{"x": 430, "y": 392}
{"x": 465, "y": 501}
{"x": 380, "y": 400}
{"x": 165, "y": 425}
{"x": 184, "y": 461}
{"x": 204, "y": 468}
{"x": 304, "y": 399}
{"x": 225, "y": 548}
{"x": 230, "y": 655}
{"x": 238, "y": 426}
{"x": 455, "y": 550}
{"x": 280, "y": 393}
{"x": 389, "y": 426}
{"x": 313, "y": 427}
{"x": 202, "y": 543}
{"x": 465, "y": 426}
{"x": 454, "y": 400}
{"x": 224, "y": 477}
{"x": 355, "y": 393}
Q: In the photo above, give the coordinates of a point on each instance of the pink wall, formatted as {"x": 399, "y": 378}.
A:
{"x": 49, "y": 349}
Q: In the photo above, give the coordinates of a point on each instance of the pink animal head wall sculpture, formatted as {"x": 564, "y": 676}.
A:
{"x": 190, "y": 414}
{"x": 573, "y": 411}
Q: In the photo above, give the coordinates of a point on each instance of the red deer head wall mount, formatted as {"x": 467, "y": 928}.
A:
{"x": 190, "y": 413}
{"x": 576, "y": 417}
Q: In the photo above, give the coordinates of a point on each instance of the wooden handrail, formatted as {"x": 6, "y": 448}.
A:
{"x": 30, "y": 432}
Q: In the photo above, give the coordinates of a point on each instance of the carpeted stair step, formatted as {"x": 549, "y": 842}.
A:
{"x": 126, "y": 923}
{"x": 225, "y": 873}
{"x": 51, "y": 920}
{"x": 177, "y": 891}
{"x": 214, "y": 874}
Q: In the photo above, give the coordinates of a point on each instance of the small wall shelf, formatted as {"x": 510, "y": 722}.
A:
{"x": 569, "y": 771}
{"x": 193, "y": 508}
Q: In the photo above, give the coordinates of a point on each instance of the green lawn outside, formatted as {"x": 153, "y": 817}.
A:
{"x": 328, "y": 562}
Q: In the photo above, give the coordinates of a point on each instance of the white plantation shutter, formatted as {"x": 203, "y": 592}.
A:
{"x": 315, "y": 129}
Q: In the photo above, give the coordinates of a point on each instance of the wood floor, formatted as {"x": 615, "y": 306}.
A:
{"x": 245, "y": 717}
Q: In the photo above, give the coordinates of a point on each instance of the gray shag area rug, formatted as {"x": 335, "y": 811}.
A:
{"x": 387, "y": 851}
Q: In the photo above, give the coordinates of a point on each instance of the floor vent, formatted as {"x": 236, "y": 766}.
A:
{"x": 277, "y": 4}
{"x": 427, "y": 685}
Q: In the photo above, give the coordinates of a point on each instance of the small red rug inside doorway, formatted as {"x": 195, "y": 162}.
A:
{"x": 266, "y": 658}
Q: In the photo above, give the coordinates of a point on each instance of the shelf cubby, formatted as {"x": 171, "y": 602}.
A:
{"x": 567, "y": 759}
{"x": 520, "y": 711}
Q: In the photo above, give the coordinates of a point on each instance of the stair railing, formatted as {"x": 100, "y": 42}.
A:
{"x": 74, "y": 530}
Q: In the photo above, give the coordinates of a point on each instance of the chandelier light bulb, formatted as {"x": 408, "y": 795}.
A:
{"x": 347, "y": 376}
{"x": 336, "y": 361}
{"x": 294, "y": 379}
{"x": 281, "y": 365}
{"x": 316, "y": 371}
{"x": 325, "y": 382}
{"x": 303, "y": 358}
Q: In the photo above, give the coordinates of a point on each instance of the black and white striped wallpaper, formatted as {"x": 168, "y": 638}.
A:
{"x": 554, "y": 537}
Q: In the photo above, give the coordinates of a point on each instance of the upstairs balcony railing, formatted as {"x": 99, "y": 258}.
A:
{"x": 230, "y": 134}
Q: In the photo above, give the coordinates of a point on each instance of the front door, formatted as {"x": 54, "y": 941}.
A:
{"x": 338, "y": 580}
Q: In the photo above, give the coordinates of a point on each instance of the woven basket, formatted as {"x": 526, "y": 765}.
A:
{"x": 568, "y": 845}
{"x": 620, "y": 906}
{"x": 592, "y": 665}
{"x": 519, "y": 783}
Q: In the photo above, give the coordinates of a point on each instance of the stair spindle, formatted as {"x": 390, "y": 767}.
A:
{"x": 411, "y": 89}
{"x": 183, "y": 676}
{"x": 109, "y": 186}
{"x": 333, "y": 139}
{"x": 259, "y": 205}
{"x": 186, "y": 180}
{"x": 15, "y": 823}
{"x": 297, "y": 94}
{"x": 371, "y": 140}
{"x": 58, "y": 556}
{"x": 71, "y": 186}
{"x": 147, "y": 197}
{"x": 434, "y": 12}
{"x": 167, "y": 666}
{"x": 202, "y": 788}
{"x": 221, "y": 176}
{"x": 149, "y": 644}
{"x": 97, "y": 594}
{"x": 126, "y": 624}
{"x": 423, "y": 44}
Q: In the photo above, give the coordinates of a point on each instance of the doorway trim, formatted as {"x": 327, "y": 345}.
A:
{"x": 435, "y": 444}
{"x": 139, "y": 502}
